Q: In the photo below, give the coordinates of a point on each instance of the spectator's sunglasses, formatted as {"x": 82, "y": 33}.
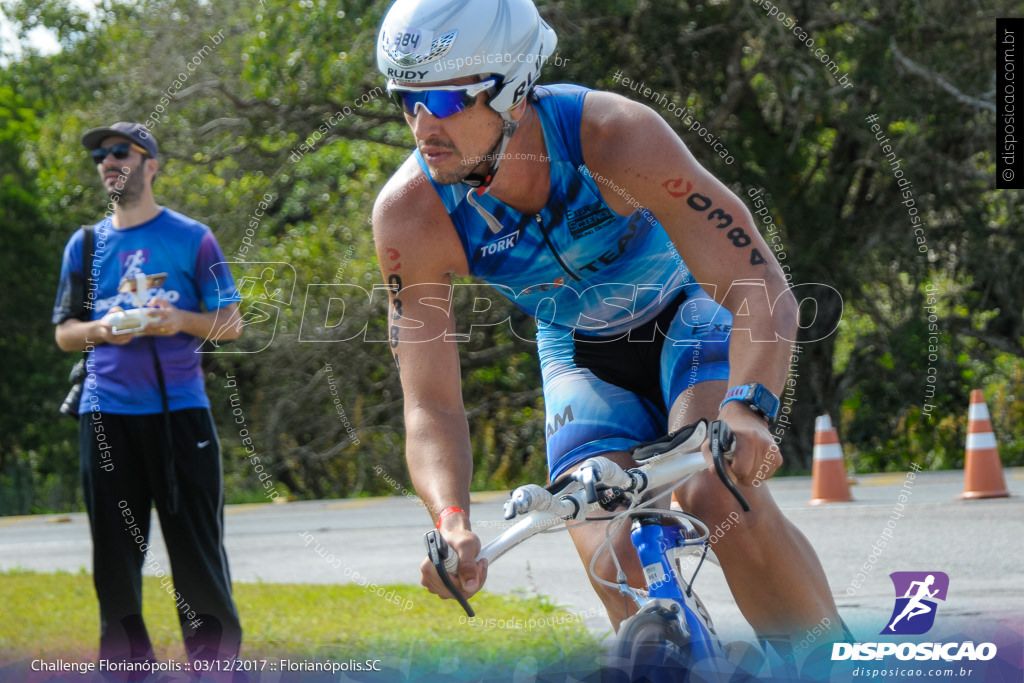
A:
{"x": 441, "y": 101}
{"x": 120, "y": 151}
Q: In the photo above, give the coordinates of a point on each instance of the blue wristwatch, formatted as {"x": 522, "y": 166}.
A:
{"x": 760, "y": 400}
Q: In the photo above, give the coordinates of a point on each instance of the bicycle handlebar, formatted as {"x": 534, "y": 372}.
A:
{"x": 539, "y": 509}
{"x": 446, "y": 560}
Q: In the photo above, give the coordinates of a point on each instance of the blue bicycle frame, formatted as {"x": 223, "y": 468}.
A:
{"x": 654, "y": 540}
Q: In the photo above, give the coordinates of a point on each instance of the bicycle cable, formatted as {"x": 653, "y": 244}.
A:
{"x": 615, "y": 525}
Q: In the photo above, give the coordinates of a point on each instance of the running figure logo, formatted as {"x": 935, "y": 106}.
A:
{"x": 916, "y": 593}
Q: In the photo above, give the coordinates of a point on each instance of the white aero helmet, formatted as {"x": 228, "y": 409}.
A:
{"x": 422, "y": 42}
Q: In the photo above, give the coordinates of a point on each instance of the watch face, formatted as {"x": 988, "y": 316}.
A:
{"x": 766, "y": 400}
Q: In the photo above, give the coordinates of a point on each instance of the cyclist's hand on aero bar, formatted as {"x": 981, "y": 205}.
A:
{"x": 756, "y": 457}
{"x": 471, "y": 574}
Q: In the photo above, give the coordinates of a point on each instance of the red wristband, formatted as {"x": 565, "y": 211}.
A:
{"x": 447, "y": 511}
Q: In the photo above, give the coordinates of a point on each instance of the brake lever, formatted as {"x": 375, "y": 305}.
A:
{"x": 723, "y": 443}
{"x": 590, "y": 484}
{"x": 444, "y": 561}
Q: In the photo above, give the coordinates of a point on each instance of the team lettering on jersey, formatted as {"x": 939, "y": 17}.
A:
{"x": 611, "y": 255}
{"x": 588, "y": 219}
{"x": 559, "y": 421}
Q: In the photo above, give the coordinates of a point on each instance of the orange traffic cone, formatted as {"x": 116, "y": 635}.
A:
{"x": 983, "y": 472}
{"x": 828, "y": 473}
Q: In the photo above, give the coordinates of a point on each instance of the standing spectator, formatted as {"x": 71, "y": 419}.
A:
{"x": 146, "y": 435}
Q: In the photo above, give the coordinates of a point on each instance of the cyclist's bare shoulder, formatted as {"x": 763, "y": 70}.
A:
{"x": 631, "y": 152}
{"x": 411, "y": 226}
{"x": 613, "y": 125}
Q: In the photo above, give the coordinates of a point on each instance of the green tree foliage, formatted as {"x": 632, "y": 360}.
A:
{"x": 275, "y": 132}
{"x": 798, "y": 132}
{"x": 37, "y": 466}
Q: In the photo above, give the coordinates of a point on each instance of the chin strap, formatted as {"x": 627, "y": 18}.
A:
{"x": 493, "y": 223}
{"x": 480, "y": 182}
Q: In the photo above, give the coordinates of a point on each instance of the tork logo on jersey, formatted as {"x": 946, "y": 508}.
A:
{"x": 499, "y": 245}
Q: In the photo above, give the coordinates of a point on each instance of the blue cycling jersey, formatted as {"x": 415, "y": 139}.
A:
{"x": 588, "y": 275}
{"x": 576, "y": 264}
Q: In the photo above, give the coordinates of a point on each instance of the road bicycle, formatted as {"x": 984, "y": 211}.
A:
{"x": 671, "y": 637}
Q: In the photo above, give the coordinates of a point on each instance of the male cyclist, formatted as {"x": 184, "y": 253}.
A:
{"x": 588, "y": 212}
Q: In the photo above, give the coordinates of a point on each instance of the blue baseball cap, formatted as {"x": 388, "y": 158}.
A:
{"x": 136, "y": 132}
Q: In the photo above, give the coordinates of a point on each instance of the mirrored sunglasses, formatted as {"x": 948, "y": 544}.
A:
{"x": 440, "y": 102}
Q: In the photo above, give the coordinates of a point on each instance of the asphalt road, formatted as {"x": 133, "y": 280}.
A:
{"x": 977, "y": 543}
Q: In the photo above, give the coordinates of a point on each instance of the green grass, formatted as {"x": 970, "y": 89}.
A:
{"x": 56, "y": 615}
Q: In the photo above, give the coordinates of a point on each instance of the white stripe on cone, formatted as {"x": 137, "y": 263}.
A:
{"x": 822, "y": 423}
{"x": 830, "y": 451}
{"x": 978, "y": 441}
{"x": 826, "y": 441}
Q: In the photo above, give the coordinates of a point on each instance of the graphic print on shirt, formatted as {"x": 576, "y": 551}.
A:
{"x": 133, "y": 262}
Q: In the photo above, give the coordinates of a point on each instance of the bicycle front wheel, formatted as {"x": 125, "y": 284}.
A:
{"x": 652, "y": 647}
